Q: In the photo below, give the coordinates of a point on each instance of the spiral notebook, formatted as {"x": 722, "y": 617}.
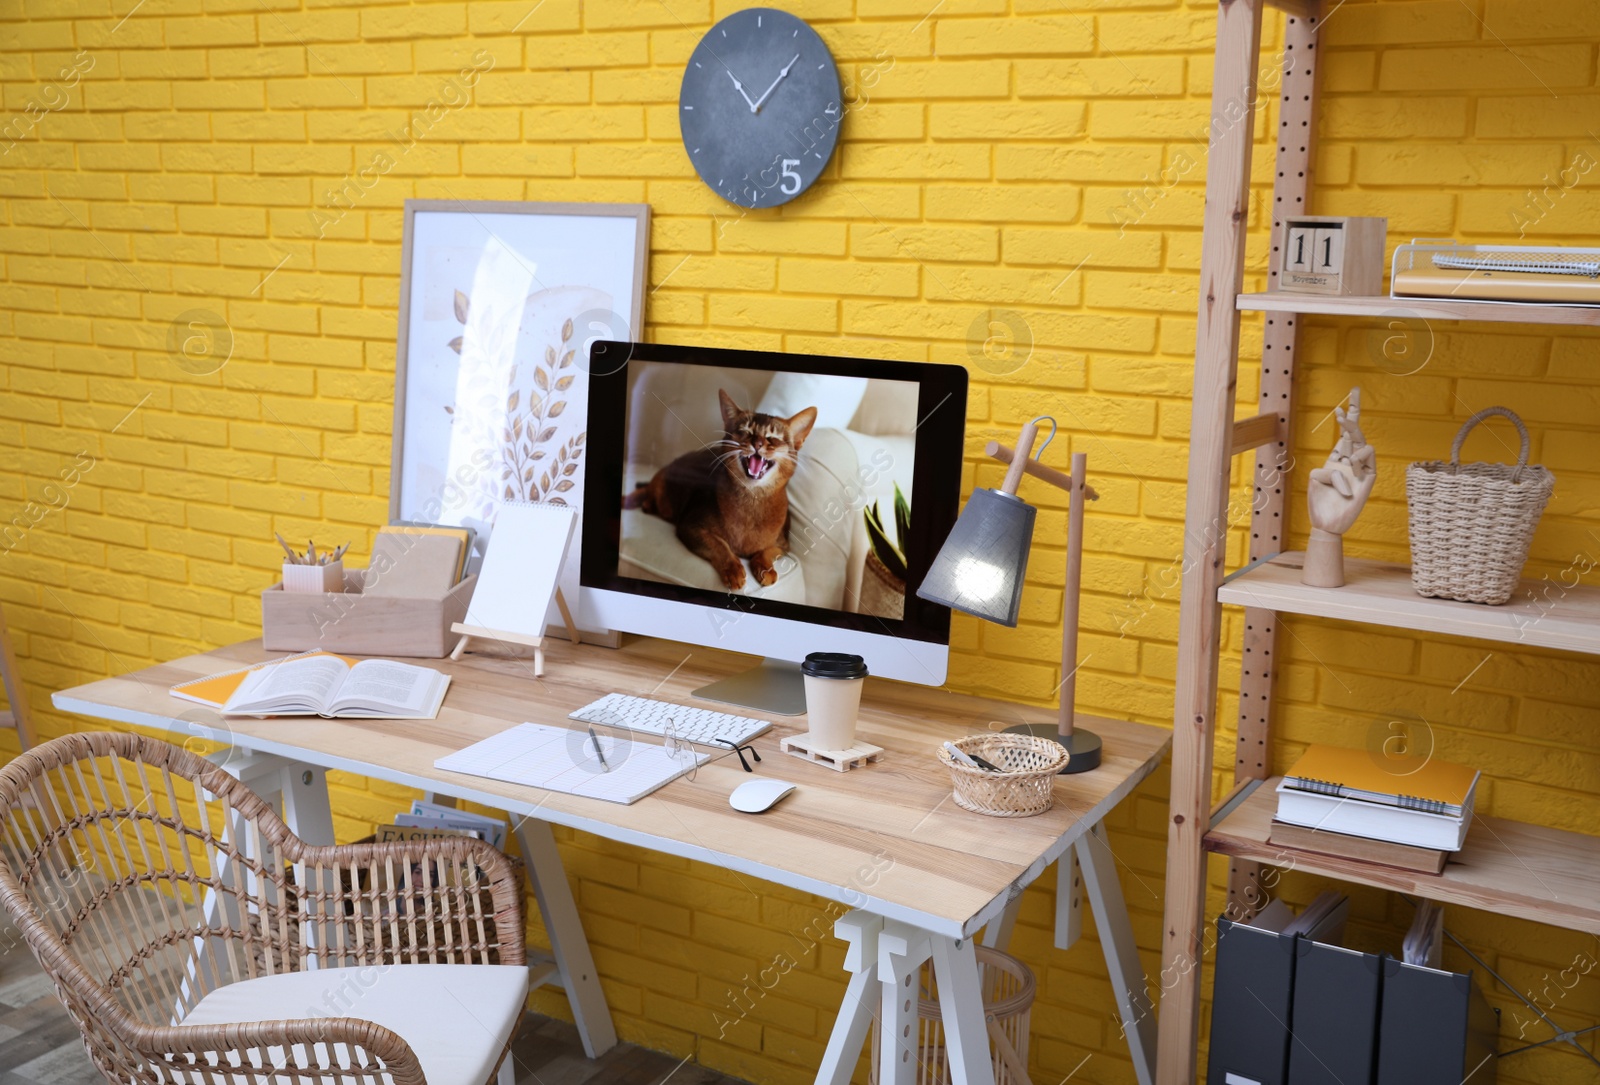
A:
{"x": 1423, "y": 784}
{"x": 564, "y": 759}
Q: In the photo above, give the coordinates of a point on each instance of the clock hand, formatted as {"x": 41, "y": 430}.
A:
{"x": 756, "y": 105}
{"x": 742, "y": 94}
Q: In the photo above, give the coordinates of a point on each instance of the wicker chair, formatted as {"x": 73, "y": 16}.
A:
{"x": 195, "y": 939}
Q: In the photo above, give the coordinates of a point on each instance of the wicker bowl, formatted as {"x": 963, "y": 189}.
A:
{"x": 1022, "y": 790}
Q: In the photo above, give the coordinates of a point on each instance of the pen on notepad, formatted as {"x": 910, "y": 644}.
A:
{"x": 598, "y": 752}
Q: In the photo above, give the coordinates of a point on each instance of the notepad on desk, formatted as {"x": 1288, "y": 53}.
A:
{"x": 565, "y": 760}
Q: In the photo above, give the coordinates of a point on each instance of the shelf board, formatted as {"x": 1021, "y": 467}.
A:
{"x": 1278, "y": 301}
{"x": 1507, "y": 867}
{"x": 1543, "y": 614}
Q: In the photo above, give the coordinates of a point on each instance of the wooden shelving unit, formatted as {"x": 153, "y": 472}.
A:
{"x": 1543, "y": 614}
{"x": 1423, "y": 308}
{"x": 1531, "y": 872}
{"x": 1508, "y": 867}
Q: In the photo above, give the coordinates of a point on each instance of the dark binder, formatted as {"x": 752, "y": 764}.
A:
{"x": 1335, "y": 1019}
{"x": 1436, "y": 1029}
{"x": 1250, "y": 1006}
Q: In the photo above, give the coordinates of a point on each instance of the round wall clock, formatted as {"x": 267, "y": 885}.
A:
{"x": 760, "y": 107}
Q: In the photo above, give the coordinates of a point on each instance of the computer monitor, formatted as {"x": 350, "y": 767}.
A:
{"x": 774, "y": 504}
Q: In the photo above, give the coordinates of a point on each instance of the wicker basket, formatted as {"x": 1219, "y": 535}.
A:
{"x": 1022, "y": 790}
{"x": 1008, "y": 990}
{"x": 1472, "y": 524}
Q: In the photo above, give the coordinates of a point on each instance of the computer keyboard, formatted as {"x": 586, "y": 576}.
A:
{"x": 655, "y": 718}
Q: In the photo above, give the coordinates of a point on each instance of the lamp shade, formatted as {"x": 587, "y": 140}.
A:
{"x": 981, "y": 566}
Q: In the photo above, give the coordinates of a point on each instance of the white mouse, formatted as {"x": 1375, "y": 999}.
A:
{"x": 758, "y": 795}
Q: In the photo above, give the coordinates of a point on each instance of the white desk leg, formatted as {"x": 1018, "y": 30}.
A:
{"x": 309, "y": 815}
{"x": 1122, "y": 956}
{"x": 567, "y": 941}
{"x": 902, "y": 951}
{"x": 306, "y": 809}
{"x": 966, "y": 1034}
{"x": 859, "y": 931}
{"x": 263, "y": 774}
{"x": 1069, "y": 900}
{"x": 997, "y": 935}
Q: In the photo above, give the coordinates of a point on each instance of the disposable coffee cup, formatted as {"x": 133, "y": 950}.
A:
{"x": 833, "y": 697}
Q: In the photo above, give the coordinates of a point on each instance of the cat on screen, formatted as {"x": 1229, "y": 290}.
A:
{"x": 730, "y": 501}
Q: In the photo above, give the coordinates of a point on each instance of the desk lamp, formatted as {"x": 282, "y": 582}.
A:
{"x": 980, "y": 570}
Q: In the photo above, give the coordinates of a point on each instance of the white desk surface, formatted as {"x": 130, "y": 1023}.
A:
{"x": 887, "y": 838}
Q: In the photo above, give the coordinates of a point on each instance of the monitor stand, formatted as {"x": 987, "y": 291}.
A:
{"x": 773, "y": 685}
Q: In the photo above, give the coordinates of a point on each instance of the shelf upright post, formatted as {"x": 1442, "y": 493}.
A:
{"x": 1291, "y": 186}
{"x": 1227, "y": 210}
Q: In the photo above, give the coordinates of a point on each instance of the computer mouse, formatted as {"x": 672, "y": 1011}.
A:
{"x": 758, "y": 795}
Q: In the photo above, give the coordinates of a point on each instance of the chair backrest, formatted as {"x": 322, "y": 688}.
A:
{"x": 129, "y": 866}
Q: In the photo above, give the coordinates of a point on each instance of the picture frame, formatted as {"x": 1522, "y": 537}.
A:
{"x": 499, "y": 301}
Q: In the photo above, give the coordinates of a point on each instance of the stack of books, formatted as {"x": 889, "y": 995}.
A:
{"x": 1346, "y": 803}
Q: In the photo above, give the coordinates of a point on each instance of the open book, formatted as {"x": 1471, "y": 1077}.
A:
{"x": 328, "y": 685}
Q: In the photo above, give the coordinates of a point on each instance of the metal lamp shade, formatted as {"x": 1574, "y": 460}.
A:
{"x": 981, "y": 566}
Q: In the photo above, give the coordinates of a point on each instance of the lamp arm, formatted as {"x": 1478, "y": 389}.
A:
{"x": 1029, "y": 434}
{"x": 1059, "y": 479}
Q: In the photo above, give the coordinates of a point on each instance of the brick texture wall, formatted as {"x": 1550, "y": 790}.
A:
{"x": 1018, "y": 189}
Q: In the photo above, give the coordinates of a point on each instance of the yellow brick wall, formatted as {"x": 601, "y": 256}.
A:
{"x": 1032, "y": 168}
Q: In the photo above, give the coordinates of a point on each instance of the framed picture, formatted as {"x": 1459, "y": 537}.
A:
{"x": 499, "y": 302}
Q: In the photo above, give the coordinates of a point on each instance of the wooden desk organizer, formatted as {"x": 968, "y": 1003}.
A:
{"x": 375, "y": 625}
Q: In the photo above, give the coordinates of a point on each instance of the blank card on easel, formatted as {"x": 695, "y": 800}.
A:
{"x": 520, "y": 569}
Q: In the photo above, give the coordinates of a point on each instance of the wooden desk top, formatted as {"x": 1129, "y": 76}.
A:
{"x": 887, "y": 838}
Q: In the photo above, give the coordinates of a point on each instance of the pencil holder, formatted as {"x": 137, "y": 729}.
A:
{"x": 314, "y": 578}
{"x": 1021, "y": 789}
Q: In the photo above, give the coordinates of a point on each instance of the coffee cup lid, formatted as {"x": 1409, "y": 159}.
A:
{"x": 834, "y": 665}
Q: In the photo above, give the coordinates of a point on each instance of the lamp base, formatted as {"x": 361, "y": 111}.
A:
{"x": 1083, "y": 747}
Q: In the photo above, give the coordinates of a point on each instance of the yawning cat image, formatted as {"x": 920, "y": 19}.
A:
{"x": 731, "y": 500}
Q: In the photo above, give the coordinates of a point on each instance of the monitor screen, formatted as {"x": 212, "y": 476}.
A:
{"x": 811, "y": 489}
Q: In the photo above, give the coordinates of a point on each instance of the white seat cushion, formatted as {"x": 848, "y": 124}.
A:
{"x": 456, "y": 1017}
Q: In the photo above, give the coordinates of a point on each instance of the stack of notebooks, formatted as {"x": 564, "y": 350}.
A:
{"x": 417, "y": 561}
{"x": 1345, "y": 803}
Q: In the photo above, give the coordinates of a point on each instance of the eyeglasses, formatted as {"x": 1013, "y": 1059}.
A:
{"x": 680, "y": 749}
{"x": 738, "y": 749}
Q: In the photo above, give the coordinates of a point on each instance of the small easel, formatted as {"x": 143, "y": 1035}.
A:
{"x": 536, "y": 643}
{"x": 520, "y": 571}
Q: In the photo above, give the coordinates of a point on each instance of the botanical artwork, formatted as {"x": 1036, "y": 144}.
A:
{"x": 518, "y": 415}
{"x": 502, "y": 303}
{"x": 527, "y": 469}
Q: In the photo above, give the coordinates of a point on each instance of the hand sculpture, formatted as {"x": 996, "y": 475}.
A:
{"x": 1338, "y": 492}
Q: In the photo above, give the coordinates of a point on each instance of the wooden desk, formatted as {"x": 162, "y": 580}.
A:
{"x": 921, "y": 875}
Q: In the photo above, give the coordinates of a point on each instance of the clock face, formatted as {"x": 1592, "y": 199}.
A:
{"x": 760, "y": 107}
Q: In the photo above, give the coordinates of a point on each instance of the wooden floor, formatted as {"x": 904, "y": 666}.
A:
{"x": 39, "y": 1045}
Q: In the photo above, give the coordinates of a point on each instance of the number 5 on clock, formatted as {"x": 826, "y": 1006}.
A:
{"x": 790, "y": 175}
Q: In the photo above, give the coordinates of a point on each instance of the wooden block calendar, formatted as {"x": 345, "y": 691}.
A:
{"x": 1328, "y": 254}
